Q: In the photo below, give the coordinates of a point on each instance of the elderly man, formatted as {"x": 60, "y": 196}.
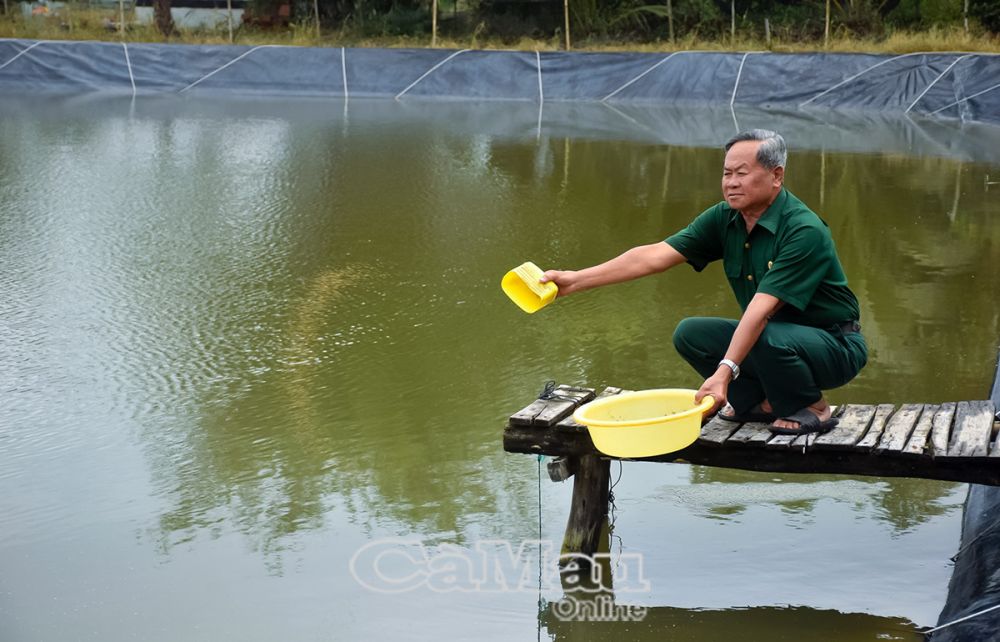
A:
{"x": 799, "y": 332}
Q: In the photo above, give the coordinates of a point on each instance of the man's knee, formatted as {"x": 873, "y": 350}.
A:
{"x": 701, "y": 336}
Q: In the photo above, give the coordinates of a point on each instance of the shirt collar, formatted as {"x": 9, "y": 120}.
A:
{"x": 772, "y": 215}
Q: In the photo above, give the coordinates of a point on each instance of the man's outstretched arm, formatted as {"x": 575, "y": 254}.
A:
{"x": 638, "y": 262}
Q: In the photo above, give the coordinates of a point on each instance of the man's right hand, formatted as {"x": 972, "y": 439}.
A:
{"x": 565, "y": 280}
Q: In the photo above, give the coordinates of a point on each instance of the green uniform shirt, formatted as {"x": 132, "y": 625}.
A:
{"x": 788, "y": 254}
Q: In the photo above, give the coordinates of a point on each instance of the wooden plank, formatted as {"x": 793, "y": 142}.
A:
{"x": 973, "y": 429}
{"x": 546, "y": 412}
{"x": 918, "y": 442}
{"x": 752, "y": 434}
{"x": 941, "y": 430}
{"x": 899, "y": 427}
{"x": 853, "y": 424}
{"x": 995, "y": 449}
{"x": 883, "y": 412}
{"x": 568, "y": 423}
{"x": 716, "y": 431}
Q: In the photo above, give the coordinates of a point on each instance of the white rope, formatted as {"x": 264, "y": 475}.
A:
{"x": 934, "y": 82}
{"x": 22, "y": 53}
{"x": 962, "y": 619}
{"x": 128, "y": 62}
{"x": 978, "y": 93}
{"x": 858, "y": 75}
{"x": 231, "y": 62}
{"x": 538, "y": 60}
{"x": 641, "y": 75}
{"x": 429, "y": 72}
{"x": 343, "y": 68}
{"x": 736, "y": 86}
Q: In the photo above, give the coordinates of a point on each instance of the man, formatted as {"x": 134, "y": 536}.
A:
{"x": 799, "y": 332}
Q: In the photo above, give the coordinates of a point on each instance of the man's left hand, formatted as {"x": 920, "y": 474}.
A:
{"x": 717, "y": 385}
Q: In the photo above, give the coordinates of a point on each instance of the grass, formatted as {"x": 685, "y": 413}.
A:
{"x": 90, "y": 24}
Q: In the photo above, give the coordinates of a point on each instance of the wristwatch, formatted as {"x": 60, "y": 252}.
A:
{"x": 729, "y": 363}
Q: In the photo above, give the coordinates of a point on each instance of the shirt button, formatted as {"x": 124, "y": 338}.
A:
{"x": 746, "y": 245}
{"x": 749, "y": 277}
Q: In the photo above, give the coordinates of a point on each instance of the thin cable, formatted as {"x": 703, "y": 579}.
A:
{"x": 967, "y": 98}
{"x": 934, "y": 82}
{"x": 129, "y": 63}
{"x": 962, "y": 619}
{"x": 540, "y": 604}
{"x": 858, "y": 75}
{"x": 641, "y": 75}
{"x": 538, "y": 61}
{"x": 22, "y": 53}
{"x": 429, "y": 72}
{"x": 231, "y": 62}
{"x": 974, "y": 540}
{"x": 343, "y": 68}
{"x": 736, "y": 85}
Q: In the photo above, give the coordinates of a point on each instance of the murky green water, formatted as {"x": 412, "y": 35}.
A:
{"x": 240, "y": 343}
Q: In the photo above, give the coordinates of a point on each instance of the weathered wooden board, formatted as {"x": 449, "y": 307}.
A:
{"x": 973, "y": 429}
{"x": 882, "y": 414}
{"x": 717, "y": 431}
{"x": 853, "y": 424}
{"x": 941, "y": 430}
{"x": 918, "y": 443}
{"x": 899, "y": 427}
{"x": 546, "y": 412}
{"x": 568, "y": 423}
{"x": 752, "y": 434}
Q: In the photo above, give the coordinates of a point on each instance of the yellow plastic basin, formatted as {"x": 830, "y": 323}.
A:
{"x": 644, "y": 423}
{"x": 522, "y": 286}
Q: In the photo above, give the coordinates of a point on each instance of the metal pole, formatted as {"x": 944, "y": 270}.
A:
{"x": 229, "y": 11}
{"x": 826, "y": 30}
{"x": 316, "y": 16}
{"x": 566, "y": 21}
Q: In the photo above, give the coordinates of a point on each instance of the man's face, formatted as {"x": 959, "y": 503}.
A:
{"x": 746, "y": 185}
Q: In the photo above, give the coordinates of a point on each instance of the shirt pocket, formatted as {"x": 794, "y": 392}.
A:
{"x": 733, "y": 265}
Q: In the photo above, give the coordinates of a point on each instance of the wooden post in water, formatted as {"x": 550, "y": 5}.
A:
{"x": 732, "y": 20}
{"x": 670, "y": 19}
{"x": 589, "y": 507}
{"x": 566, "y": 22}
{"x": 433, "y": 23}
{"x": 826, "y": 29}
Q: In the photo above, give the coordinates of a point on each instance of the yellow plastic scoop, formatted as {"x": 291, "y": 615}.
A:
{"x": 645, "y": 423}
{"x": 522, "y": 286}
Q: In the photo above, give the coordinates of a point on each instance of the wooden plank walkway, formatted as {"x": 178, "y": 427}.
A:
{"x": 949, "y": 441}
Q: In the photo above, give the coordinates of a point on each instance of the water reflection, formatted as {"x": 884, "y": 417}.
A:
{"x": 294, "y": 317}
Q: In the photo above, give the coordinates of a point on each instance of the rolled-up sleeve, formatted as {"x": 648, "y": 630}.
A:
{"x": 701, "y": 242}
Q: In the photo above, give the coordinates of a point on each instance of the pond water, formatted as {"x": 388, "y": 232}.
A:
{"x": 241, "y": 341}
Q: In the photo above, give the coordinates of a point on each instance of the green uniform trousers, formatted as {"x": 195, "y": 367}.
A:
{"x": 790, "y": 365}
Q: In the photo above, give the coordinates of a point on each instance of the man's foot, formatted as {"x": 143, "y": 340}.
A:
{"x": 823, "y": 421}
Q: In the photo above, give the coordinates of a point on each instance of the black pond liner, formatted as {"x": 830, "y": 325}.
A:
{"x": 961, "y": 86}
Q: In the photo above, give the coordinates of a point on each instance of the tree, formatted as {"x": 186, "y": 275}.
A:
{"x": 161, "y": 15}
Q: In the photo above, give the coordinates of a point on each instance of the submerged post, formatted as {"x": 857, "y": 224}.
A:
{"x": 589, "y": 507}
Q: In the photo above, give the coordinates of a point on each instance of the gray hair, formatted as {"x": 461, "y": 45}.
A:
{"x": 772, "y": 151}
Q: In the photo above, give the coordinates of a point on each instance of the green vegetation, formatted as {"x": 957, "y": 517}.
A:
{"x": 894, "y": 26}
